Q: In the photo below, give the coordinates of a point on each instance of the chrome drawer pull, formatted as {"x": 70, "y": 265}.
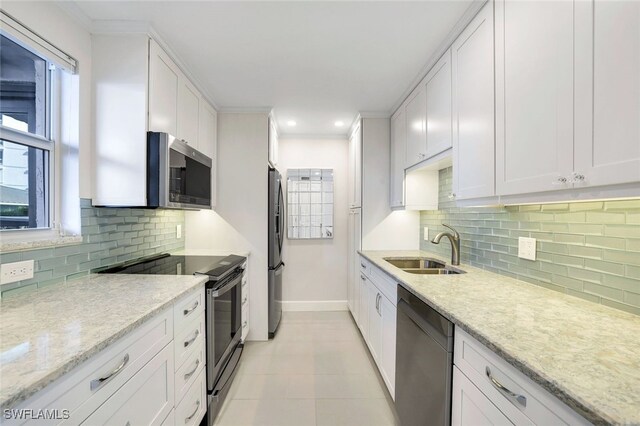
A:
{"x": 245, "y": 300}
{"x": 191, "y": 309}
{"x": 520, "y": 399}
{"x": 96, "y": 383}
{"x": 190, "y": 341}
{"x": 194, "y": 413}
{"x": 363, "y": 265}
{"x": 190, "y": 373}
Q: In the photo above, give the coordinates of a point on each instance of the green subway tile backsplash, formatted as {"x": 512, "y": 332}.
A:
{"x": 110, "y": 235}
{"x": 589, "y": 250}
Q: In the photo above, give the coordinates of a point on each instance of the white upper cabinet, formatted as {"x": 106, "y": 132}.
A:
{"x": 273, "y": 142}
{"x": 398, "y": 158}
{"x": 534, "y": 95}
{"x": 164, "y": 77}
{"x": 355, "y": 167}
{"x": 473, "y": 108}
{"x": 438, "y": 124}
{"x": 138, "y": 88}
{"x": 416, "y": 123}
{"x": 607, "y": 143}
{"x": 208, "y": 140}
{"x": 188, "y": 112}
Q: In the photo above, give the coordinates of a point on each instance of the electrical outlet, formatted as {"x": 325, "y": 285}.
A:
{"x": 179, "y": 231}
{"x": 527, "y": 248}
{"x": 16, "y": 271}
{"x": 426, "y": 233}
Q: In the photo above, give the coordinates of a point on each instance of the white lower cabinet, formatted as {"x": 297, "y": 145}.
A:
{"x": 137, "y": 380}
{"x": 469, "y": 406}
{"x": 487, "y": 385}
{"x": 378, "y": 319}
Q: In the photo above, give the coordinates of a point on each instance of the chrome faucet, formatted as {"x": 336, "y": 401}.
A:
{"x": 455, "y": 243}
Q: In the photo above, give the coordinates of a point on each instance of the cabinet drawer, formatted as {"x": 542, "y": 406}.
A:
{"x": 194, "y": 404}
{"x": 387, "y": 285}
{"x": 534, "y": 404}
{"x": 188, "y": 372}
{"x": 187, "y": 342}
{"x": 470, "y": 406}
{"x": 365, "y": 266}
{"x": 74, "y": 391}
{"x": 187, "y": 308}
{"x": 146, "y": 399}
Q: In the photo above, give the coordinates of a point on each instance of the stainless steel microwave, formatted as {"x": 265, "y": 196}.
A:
{"x": 178, "y": 176}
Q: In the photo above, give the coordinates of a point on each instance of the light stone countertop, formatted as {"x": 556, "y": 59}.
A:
{"x": 47, "y": 332}
{"x": 586, "y": 354}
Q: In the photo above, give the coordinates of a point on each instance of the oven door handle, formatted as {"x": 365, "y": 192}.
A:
{"x": 225, "y": 288}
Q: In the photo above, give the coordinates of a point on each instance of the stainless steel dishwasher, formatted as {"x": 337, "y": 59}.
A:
{"x": 424, "y": 363}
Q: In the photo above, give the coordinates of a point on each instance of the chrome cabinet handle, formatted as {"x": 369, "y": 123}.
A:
{"x": 190, "y": 341}
{"x": 194, "y": 413}
{"x": 190, "y": 373}
{"x": 191, "y": 309}
{"x": 577, "y": 177}
{"x": 520, "y": 399}
{"x": 560, "y": 181}
{"x": 362, "y": 277}
{"x": 363, "y": 265}
{"x": 245, "y": 300}
{"x": 244, "y": 324}
{"x": 96, "y": 383}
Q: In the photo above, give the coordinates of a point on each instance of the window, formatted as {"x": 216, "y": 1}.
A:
{"x": 26, "y": 147}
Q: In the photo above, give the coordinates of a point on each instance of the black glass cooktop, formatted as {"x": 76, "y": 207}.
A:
{"x": 165, "y": 264}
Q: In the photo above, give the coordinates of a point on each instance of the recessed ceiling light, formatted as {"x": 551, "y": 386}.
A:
{"x": 339, "y": 123}
{"x": 291, "y": 123}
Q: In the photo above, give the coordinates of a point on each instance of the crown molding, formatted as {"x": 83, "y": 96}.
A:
{"x": 75, "y": 13}
{"x": 457, "y": 29}
{"x": 375, "y": 114}
{"x": 311, "y": 136}
{"x": 245, "y": 110}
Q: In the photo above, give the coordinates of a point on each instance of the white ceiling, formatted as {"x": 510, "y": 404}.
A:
{"x": 313, "y": 62}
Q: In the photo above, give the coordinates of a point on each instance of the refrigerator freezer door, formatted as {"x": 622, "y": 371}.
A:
{"x": 275, "y": 299}
{"x": 276, "y": 218}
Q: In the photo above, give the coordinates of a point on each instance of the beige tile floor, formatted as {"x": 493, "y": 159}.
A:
{"x": 317, "y": 371}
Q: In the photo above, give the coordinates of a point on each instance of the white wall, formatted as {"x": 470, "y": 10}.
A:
{"x": 54, "y": 25}
{"x": 382, "y": 228}
{"x": 239, "y": 222}
{"x": 315, "y": 275}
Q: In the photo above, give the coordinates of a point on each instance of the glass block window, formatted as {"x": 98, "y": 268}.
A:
{"x": 310, "y": 203}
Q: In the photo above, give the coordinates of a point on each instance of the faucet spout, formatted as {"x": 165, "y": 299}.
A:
{"x": 454, "y": 238}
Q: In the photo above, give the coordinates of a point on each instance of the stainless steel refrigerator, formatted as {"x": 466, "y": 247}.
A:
{"x": 276, "y": 239}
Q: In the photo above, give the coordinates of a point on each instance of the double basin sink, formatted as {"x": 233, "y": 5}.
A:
{"x": 423, "y": 266}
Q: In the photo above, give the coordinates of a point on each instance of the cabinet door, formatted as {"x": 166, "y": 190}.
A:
{"x": 607, "y": 92}
{"x": 188, "y": 112}
{"x": 534, "y": 95}
{"x": 438, "y": 125}
{"x": 473, "y": 108}
{"x": 351, "y": 264}
{"x": 163, "y": 91}
{"x": 470, "y": 406}
{"x": 388, "y": 353}
{"x": 375, "y": 322}
{"x": 416, "y": 123}
{"x": 363, "y": 308}
{"x": 355, "y": 167}
{"x": 398, "y": 158}
{"x": 273, "y": 143}
{"x": 208, "y": 141}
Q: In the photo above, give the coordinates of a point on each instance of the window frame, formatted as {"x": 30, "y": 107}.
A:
{"x": 48, "y": 143}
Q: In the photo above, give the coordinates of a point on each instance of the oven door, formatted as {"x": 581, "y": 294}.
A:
{"x": 224, "y": 324}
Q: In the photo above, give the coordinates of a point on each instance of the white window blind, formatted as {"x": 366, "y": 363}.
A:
{"x": 14, "y": 29}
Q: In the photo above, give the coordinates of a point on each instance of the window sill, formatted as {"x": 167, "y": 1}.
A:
{"x": 7, "y": 246}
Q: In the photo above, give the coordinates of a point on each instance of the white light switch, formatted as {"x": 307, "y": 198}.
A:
{"x": 16, "y": 271}
{"x": 426, "y": 233}
{"x": 179, "y": 231}
{"x": 527, "y": 248}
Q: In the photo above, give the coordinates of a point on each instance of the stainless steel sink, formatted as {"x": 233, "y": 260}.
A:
{"x": 415, "y": 263}
{"x": 423, "y": 266}
{"x": 434, "y": 271}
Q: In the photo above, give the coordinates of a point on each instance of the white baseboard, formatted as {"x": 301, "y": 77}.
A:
{"x": 320, "y": 305}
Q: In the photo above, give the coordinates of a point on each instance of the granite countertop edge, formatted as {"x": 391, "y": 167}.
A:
{"x": 589, "y": 412}
{"x": 31, "y": 389}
